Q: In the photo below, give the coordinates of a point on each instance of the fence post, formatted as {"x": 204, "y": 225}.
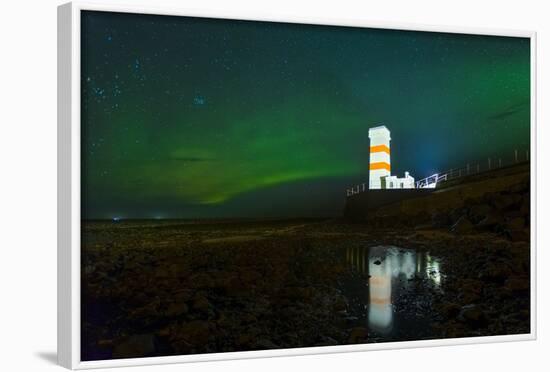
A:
{"x": 527, "y": 155}
{"x": 499, "y": 162}
{"x": 516, "y": 155}
{"x": 477, "y": 168}
{"x": 468, "y": 168}
{"x": 489, "y": 162}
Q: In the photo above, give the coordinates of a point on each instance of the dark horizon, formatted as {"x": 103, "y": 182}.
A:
{"x": 197, "y": 118}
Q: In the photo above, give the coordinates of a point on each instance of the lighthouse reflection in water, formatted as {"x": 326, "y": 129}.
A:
{"x": 393, "y": 274}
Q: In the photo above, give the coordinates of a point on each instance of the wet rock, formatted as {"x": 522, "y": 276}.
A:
{"x": 506, "y": 201}
{"x": 195, "y": 332}
{"x": 297, "y": 293}
{"x": 162, "y": 273}
{"x": 201, "y": 303}
{"x": 517, "y": 223}
{"x": 518, "y": 235}
{"x": 202, "y": 281}
{"x": 449, "y": 309}
{"x": 164, "y": 332}
{"x": 176, "y": 309}
{"x": 462, "y": 226}
{"x": 147, "y": 312}
{"x": 517, "y": 284}
{"x": 477, "y": 213}
{"x": 496, "y": 273}
{"x": 350, "y": 320}
{"x": 340, "y": 304}
{"x": 264, "y": 343}
{"x": 182, "y": 295}
{"x": 357, "y": 334}
{"x": 456, "y": 214}
{"x": 233, "y": 286}
{"x": 472, "y": 315}
{"x": 471, "y": 290}
{"x": 250, "y": 276}
{"x": 140, "y": 298}
{"x": 249, "y": 318}
{"x": 490, "y": 222}
{"x": 245, "y": 339}
{"x": 134, "y": 346}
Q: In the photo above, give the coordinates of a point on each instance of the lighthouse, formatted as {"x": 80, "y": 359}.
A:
{"x": 380, "y": 160}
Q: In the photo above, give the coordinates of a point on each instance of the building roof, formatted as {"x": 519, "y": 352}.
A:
{"x": 380, "y": 128}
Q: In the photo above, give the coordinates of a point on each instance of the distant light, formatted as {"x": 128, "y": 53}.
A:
{"x": 116, "y": 219}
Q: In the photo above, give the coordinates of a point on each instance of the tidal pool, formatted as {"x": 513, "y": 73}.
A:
{"x": 392, "y": 292}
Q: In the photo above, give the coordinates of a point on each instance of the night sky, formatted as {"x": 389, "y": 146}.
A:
{"x": 203, "y": 118}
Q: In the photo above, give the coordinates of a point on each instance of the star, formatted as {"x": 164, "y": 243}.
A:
{"x": 199, "y": 101}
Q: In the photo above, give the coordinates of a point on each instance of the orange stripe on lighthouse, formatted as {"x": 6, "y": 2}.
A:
{"x": 379, "y": 301}
{"x": 380, "y": 148}
{"x": 379, "y": 165}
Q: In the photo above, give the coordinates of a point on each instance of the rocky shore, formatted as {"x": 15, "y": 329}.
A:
{"x": 155, "y": 288}
{"x": 484, "y": 244}
{"x": 199, "y": 288}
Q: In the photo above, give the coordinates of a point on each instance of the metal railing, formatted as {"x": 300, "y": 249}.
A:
{"x": 492, "y": 163}
{"x": 431, "y": 181}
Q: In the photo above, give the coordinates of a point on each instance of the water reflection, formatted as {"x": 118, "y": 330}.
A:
{"x": 391, "y": 271}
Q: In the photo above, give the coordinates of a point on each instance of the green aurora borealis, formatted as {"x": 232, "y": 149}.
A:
{"x": 204, "y": 118}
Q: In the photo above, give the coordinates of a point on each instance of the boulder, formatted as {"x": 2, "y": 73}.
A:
{"x": 245, "y": 339}
{"x": 201, "y": 303}
{"x": 479, "y": 212}
{"x": 357, "y": 334}
{"x": 490, "y": 222}
{"x": 471, "y": 290}
{"x": 440, "y": 219}
{"x": 517, "y": 284}
{"x": 506, "y": 201}
{"x": 456, "y": 214}
{"x": 516, "y": 223}
{"x": 264, "y": 343}
{"x": 497, "y": 273}
{"x": 518, "y": 235}
{"x": 176, "y": 309}
{"x": 195, "y": 332}
{"x": 462, "y": 226}
{"x": 449, "y": 310}
{"x": 472, "y": 315}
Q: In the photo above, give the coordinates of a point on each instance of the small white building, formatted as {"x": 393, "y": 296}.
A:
{"x": 380, "y": 162}
{"x": 393, "y": 182}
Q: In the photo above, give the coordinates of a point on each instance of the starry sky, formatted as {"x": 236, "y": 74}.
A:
{"x": 206, "y": 118}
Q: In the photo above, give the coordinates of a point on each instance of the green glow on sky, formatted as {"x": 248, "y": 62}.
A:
{"x": 188, "y": 117}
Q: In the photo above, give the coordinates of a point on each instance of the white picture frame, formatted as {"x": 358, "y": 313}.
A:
{"x": 69, "y": 188}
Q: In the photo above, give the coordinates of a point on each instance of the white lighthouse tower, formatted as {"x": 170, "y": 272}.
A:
{"x": 380, "y": 160}
{"x": 380, "y": 163}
